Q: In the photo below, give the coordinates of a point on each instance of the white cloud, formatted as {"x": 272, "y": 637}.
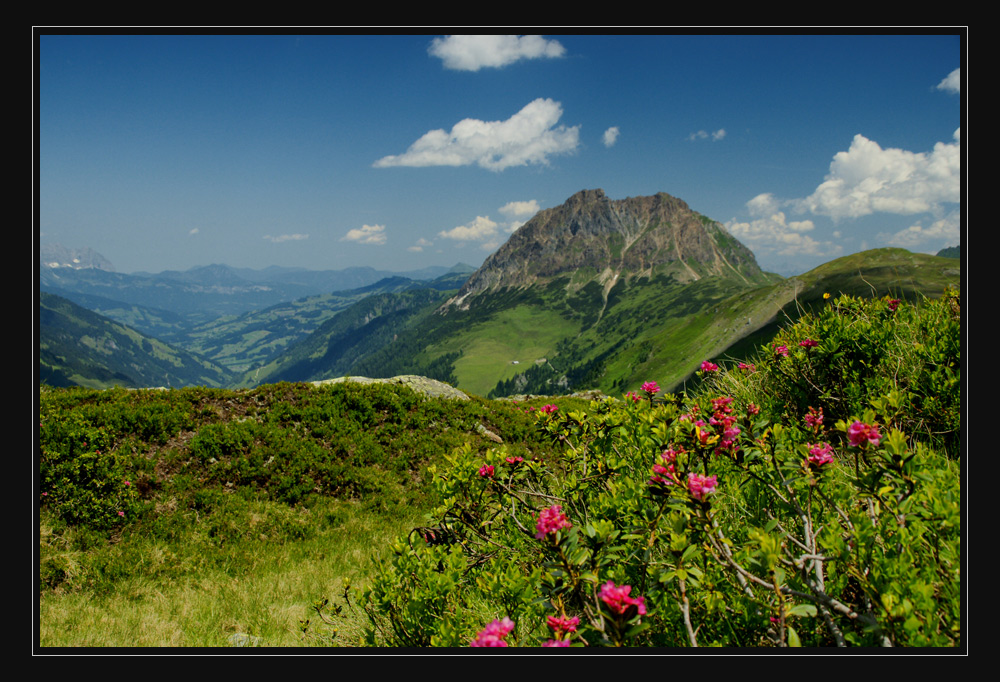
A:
{"x": 704, "y": 135}
{"x": 611, "y": 136}
{"x": 366, "y": 234}
{"x": 277, "y": 239}
{"x": 471, "y": 53}
{"x": 867, "y": 179}
{"x": 480, "y": 229}
{"x": 952, "y": 82}
{"x": 527, "y": 137}
{"x": 940, "y": 233}
{"x": 772, "y": 233}
{"x": 520, "y": 209}
{"x": 763, "y": 205}
{"x": 420, "y": 245}
{"x": 193, "y": 230}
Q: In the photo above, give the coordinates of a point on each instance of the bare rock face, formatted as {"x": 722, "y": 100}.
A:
{"x": 590, "y": 233}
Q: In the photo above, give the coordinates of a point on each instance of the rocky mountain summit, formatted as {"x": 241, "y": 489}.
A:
{"x": 594, "y": 237}
{"x": 53, "y": 255}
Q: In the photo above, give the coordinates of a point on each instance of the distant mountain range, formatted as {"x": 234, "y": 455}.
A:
{"x": 203, "y": 294}
{"x": 595, "y": 293}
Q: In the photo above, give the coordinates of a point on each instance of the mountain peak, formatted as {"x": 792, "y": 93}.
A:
{"x": 586, "y": 196}
{"x": 54, "y": 255}
{"x": 593, "y": 237}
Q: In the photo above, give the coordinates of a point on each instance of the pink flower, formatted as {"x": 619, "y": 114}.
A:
{"x": 486, "y": 471}
{"x": 549, "y": 409}
{"x": 808, "y": 343}
{"x": 664, "y": 474}
{"x": 121, "y": 513}
{"x": 753, "y": 409}
{"x": 551, "y": 520}
{"x": 494, "y": 633}
{"x": 128, "y": 483}
{"x": 562, "y": 623}
{"x": 634, "y": 396}
{"x": 707, "y": 366}
{"x": 750, "y": 367}
{"x": 722, "y": 404}
{"x": 557, "y": 642}
{"x": 893, "y": 304}
{"x": 515, "y": 460}
{"x": 820, "y": 454}
{"x": 815, "y": 417}
{"x": 859, "y": 433}
{"x": 651, "y": 388}
{"x": 781, "y": 350}
{"x": 619, "y": 601}
{"x": 701, "y": 486}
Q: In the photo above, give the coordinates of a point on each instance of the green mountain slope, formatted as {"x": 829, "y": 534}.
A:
{"x": 333, "y": 349}
{"x": 540, "y": 340}
{"x": 79, "y": 347}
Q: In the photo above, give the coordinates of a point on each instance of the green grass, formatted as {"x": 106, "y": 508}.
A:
{"x": 243, "y": 508}
{"x": 524, "y": 333}
{"x": 190, "y": 592}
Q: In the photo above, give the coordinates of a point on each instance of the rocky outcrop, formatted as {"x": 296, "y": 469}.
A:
{"x": 636, "y": 236}
{"x": 429, "y": 387}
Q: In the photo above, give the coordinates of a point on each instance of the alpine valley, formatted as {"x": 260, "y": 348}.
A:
{"x": 593, "y": 294}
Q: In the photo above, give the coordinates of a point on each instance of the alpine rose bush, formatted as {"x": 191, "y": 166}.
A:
{"x": 778, "y": 507}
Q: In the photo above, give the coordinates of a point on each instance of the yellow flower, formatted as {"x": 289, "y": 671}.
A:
{"x": 827, "y": 295}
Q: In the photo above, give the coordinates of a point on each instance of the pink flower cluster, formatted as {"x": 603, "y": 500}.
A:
{"x": 664, "y": 474}
{"x": 707, "y": 366}
{"x": 494, "y": 633}
{"x": 858, "y": 434}
{"x": 486, "y": 471}
{"x": 781, "y": 350}
{"x": 514, "y": 460}
{"x": 893, "y": 304}
{"x": 701, "y": 486}
{"x": 820, "y": 454}
{"x": 618, "y": 600}
{"x": 724, "y": 422}
{"x": 549, "y": 409}
{"x": 562, "y": 624}
{"x": 750, "y": 368}
{"x": 815, "y": 418}
{"x": 808, "y": 343}
{"x": 633, "y": 396}
{"x": 551, "y": 520}
{"x": 651, "y": 388}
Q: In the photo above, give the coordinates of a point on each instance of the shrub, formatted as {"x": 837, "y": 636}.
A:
{"x": 814, "y": 502}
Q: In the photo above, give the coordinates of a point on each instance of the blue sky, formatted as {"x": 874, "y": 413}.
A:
{"x": 398, "y": 152}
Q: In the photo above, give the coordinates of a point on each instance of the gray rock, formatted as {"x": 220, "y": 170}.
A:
{"x": 241, "y": 639}
{"x": 429, "y": 387}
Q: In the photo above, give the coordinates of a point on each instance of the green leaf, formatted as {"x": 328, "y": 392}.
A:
{"x": 802, "y": 610}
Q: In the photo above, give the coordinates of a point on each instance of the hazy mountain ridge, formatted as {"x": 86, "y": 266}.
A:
{"x": 206, "y": 293}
